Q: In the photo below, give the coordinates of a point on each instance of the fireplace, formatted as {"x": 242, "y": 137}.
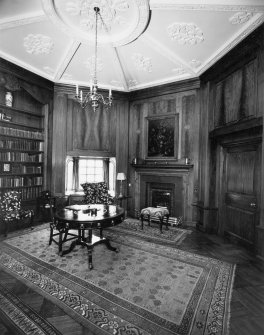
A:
{"x": 167, "y": 186}
{"x": 160, "y": 194}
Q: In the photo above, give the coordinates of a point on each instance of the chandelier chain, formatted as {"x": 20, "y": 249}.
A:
{"x": 94, "y": 98}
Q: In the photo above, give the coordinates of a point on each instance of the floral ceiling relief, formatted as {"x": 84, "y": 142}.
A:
{"x": 38, "y": 44}
{"x": 111, "y": 12}
{"x": 195, "y": 63}
{"x": 142, "y": 63}
{"x": 240, "y": 17}
{"x": 179, "y": 70}
{"x": 185, "y": 33}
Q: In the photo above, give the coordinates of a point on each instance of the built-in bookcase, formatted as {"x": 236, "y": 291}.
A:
{"x": 22, "y": 152}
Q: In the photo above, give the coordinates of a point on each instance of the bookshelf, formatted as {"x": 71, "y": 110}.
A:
{"x": 22, "y": 152}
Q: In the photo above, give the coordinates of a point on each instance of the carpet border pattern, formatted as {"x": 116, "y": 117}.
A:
{"x": 22, "y": 317}
{"x": 81, "y": 298}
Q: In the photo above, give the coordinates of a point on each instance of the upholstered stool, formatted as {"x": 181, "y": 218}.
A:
{"x": 153, "y": 212}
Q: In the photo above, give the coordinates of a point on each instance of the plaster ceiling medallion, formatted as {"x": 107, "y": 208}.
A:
{"x": 185, "y": 33}
{"x": 122, "y": 20}
{"x": 38, "y": 44}
{"x": 240, "y": 17}
{"x": 142, "y": 63}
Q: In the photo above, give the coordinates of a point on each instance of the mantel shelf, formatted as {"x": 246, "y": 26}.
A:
{"x": 163, "y": 166}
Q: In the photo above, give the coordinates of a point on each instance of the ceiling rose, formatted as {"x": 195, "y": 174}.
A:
{"x": 123, "y": 20}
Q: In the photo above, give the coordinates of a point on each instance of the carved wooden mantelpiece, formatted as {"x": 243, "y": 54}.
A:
{"x": 152, "y": 166}
{"x": 177, "y": 176}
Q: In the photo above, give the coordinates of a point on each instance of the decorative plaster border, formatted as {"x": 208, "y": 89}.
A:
{"x": 137, "y": 27}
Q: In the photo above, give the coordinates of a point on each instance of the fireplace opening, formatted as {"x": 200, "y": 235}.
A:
{"x": 161, "y": 194}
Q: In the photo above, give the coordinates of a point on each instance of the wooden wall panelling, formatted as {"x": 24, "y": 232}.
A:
{"x": 133, "y": 151}
{"x": 72, "y": 110}
{"x": 260, "y": 112}
{"x": 113, "y": 114}
{"x": 122, "y": 143}
{"x": 59, "y": 143}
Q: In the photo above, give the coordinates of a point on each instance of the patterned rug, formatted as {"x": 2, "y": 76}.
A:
{"x": 21, "y": 318}
{"x": 152, "y": 233}
{"x": 146, "y": 288}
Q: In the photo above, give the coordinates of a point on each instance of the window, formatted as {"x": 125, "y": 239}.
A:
{"x": 80, "y": 170}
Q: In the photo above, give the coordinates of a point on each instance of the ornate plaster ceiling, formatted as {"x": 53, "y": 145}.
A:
{"x": 142, "y": 43}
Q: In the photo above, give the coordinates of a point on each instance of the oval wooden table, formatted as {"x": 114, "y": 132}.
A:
{"x": 86, "y": 218}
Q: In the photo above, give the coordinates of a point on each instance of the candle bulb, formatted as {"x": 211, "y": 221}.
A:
{"x": 81, "y": 95}
{"x": 77, "y": 90}
{"x": 110, "y": 93}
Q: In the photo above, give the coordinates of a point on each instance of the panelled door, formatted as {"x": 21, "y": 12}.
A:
{"x": 240, "y": 190}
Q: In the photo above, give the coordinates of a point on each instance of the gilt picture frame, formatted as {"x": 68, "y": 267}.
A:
{"x": 162, "y": 137}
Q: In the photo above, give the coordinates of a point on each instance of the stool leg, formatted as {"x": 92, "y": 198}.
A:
{"x": 161, "y": 223}
{"x": 149, "y": 220}
{"x": 142, "y": 224}
{"x": 167, "y": 222}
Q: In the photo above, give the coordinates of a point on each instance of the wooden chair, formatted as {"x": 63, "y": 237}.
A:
{"x": 11, "y": 211}
{"x": 59, "y": 234}
{"x": 97, "y": 193}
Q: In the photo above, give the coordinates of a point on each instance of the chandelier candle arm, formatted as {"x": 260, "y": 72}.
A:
{"x": 93, "y": 98}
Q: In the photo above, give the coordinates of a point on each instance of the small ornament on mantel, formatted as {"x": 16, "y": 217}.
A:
{"x": 9, "y": 99}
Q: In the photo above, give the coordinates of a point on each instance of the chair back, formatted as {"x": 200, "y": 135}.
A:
{"x": 10, "y": 205}
{"x": 97, "y": 193}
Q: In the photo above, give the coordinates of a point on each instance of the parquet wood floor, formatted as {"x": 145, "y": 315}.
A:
{"x": 247, "y": 305}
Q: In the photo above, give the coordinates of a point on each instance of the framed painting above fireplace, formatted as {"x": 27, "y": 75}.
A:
{"x": 162, "y": 137}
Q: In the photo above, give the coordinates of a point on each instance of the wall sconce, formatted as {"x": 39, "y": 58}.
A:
{"x": 121, "y": 176}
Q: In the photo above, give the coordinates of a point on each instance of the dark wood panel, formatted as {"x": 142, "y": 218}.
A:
{"x": 241, "y": 201}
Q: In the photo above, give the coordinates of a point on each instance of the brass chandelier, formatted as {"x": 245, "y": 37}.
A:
{"x": 93, "y": 98}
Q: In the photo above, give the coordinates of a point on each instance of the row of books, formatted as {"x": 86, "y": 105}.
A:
{"x": 20, "y": 181}
{"x": 22, "y": 145}
{"x": 20, "y": 157}
{"x": 29, "y": 193}
{"x": 19, "y": 168}
{"x": 37, "y": 135}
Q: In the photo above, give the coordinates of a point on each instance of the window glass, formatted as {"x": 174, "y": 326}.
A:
{"x": 80, "y": 170}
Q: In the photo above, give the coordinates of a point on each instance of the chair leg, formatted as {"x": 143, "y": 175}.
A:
{"x": 51, "y": 235}
{"x": 32, "y": 221}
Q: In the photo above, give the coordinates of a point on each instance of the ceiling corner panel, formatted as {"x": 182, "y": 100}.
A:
{"x": 196, "y": 35}
{"x": 144, "y": 66}
{"x": 81, "y": 68}
{"x": 18, "y": 8}
{"x": 38, "y": 46}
